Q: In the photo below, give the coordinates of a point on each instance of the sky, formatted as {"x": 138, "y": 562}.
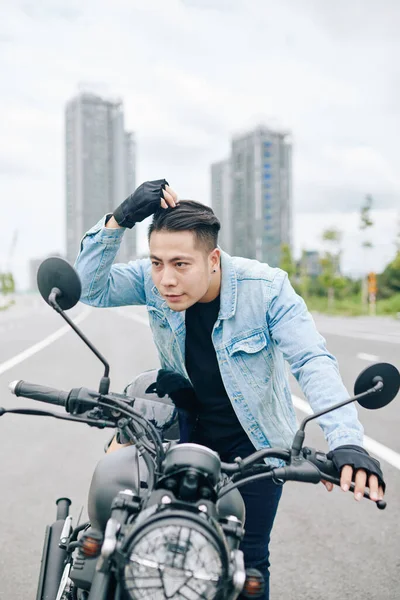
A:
{"x": 193, "y": 73}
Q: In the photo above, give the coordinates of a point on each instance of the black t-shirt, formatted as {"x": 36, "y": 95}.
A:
{"x": 217, "y": 426}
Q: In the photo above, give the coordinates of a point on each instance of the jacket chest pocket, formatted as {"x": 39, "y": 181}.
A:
{"x": 252, "y": 357}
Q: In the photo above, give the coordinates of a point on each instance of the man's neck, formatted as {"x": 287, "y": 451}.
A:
{"x": 214, "y": 288}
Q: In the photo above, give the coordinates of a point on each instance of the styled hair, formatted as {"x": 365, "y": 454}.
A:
{"x": 189, "y": 215}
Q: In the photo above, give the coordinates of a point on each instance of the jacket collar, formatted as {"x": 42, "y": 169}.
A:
{"x": 228, "y": 295}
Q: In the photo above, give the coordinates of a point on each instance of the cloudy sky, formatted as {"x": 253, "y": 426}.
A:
{"x": 192, "y": 73}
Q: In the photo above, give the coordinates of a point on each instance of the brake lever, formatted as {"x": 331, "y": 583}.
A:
{"x": 381, "y": 504}
{"x": 101, "y": 424}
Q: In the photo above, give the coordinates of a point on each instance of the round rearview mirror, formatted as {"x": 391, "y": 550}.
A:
{"x": 367, "y": 379}
{"x": 55, "y": 272}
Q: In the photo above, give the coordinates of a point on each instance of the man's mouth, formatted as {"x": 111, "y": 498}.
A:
{"x": 173, "y": 297}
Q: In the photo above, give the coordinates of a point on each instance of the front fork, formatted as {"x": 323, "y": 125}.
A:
{"x": 53, "y": 557}
{"x": 124, "y": 505}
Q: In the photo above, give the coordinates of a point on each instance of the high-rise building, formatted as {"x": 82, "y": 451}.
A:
{"x": 221, "y": 201}
{"x": 310, "y": 263}
{"x": 259, "y": 195}
{"x": 100, "y": 167}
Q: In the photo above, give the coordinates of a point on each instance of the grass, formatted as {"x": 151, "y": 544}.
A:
{"x": 389, "y": 306}
{"x": 351, "y": 306}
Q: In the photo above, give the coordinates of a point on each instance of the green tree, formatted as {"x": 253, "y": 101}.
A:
{"x": 365, "y": 218}
{"x": 287, "y": 263}
{"x": 330, "y": 277}
{"x": 397, "y": 240}
{"x": 332, "y": 235}
{"x": 7, "y": 286}
{"x": 366, "y": 223}
{"x": 304, "y": 278}
{"x": 389, "y": 279}
{"x": 7, "y": 283}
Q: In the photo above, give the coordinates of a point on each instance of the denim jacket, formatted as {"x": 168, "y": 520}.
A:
{"x": 262, "y": 323}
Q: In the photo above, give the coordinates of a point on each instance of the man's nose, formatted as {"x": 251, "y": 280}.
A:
{"x": 168, "y": 277}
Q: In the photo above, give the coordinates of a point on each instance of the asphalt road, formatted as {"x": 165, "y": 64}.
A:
{"x": 323, "y": 545}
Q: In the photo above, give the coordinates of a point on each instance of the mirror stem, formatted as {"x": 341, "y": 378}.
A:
{"x": 377, "y": 388}
{"x": 105, "y": 380}
{"x": 299, "y": 437}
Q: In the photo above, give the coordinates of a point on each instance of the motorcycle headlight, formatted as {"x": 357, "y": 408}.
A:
{"x": 174, "y": 558}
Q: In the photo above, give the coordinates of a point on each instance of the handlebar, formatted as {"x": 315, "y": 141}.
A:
{"x": 76, "y": 401}
{"x": 111, "y": 407}
{"x": 310, "y": 466}
{"x": 42, "y": 393}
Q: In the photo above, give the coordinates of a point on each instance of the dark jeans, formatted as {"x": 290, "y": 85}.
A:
{"x": 261, "y": 499}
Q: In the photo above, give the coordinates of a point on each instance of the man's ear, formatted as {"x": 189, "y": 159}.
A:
{"x": 215, "y": 258}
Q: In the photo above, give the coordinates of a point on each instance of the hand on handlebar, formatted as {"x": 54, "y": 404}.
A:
{"x": 361, "y": 481}
{"x": 375, "y": 490}
{"x": 355, "y": 464}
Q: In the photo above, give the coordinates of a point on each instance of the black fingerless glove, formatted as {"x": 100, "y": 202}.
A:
{"x": 178, "y": 388}
{"x": 358, "y": 458}
{"x": 141, "y": 204}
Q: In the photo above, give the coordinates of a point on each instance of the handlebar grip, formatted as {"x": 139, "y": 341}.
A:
{"x": 42, "y": 393}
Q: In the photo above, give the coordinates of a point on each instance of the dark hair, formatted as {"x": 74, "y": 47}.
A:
{"x": 189, "y": 215}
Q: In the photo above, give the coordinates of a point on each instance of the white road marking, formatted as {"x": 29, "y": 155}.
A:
{"x": 383, "y": 452}
{"x": 16, "y": 360}
{"x": 372, "y": 337}
{"x": 368, "y": 357}
{"x": 302, "y": 405}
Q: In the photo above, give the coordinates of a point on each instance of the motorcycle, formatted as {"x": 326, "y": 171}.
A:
{"x": 165, "y": 518}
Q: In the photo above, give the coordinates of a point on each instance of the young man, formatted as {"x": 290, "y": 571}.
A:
{"x": 228, "y": 325}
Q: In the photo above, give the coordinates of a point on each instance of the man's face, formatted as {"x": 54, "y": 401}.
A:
{"x": 181, "y": 271}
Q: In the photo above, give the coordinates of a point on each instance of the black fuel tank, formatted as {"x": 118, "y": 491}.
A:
{"x": 115, "y": 472}
{"x": 118, "y": 471}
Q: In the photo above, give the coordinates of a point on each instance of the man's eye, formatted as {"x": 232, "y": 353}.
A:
{"x": 155, "y": 264}
{"x": 181, "y": 264}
